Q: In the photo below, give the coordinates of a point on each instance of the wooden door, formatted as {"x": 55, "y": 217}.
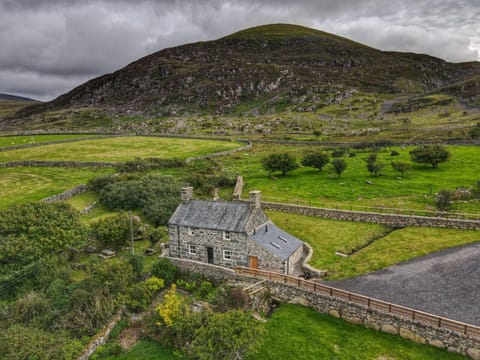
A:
{"x": 253, "y": 262}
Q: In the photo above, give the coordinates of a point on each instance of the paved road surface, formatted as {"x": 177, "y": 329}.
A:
{"x": 445, "y": 283}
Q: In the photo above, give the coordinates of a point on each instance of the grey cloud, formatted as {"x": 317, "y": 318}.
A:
{"x": 62, "y": 42}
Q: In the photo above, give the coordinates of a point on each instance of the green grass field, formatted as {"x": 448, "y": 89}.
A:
{"x": 120, "y": 149}
{"x": 328, "y": 236}
{"x": 310, "y": 186}
{"x": 6, "y": 141}
{"x": 24, "y": 184}
{"x": 299, "y": 333}
{"x": 144, "y": 350}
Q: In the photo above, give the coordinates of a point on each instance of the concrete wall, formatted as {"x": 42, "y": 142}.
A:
{"x": 377, "y": 218}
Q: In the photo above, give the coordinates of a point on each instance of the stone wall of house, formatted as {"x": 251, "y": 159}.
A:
{"x": 266, "y": 260}
{"x": 203, "y": 238}
{"x": 392, "y": 220}
{"x": 240, "y": 246}
{"x": 295, "y": 260}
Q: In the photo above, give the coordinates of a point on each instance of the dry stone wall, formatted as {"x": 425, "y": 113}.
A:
{"x": 80, "y": 189}
{"x": 392, "y": 220}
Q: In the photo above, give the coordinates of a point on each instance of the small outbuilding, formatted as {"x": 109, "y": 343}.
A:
{"x": 231, "y": 233}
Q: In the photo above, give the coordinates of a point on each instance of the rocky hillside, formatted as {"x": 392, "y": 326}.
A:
{"x": 279, "y": 66}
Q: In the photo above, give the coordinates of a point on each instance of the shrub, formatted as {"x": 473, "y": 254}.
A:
{"x": 205, "y": 289}
{"x": 283, "y": 162}
{"x": 400, "y": 167}
{"x": 374, "y": 166}
{"x": 443, "y": 200}
{"x": 155, "y": 196}
{"x": 394, "y": 153}
{"x": 164, "y": 269}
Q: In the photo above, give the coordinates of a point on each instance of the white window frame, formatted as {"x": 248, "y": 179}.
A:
{"x": 227, "y": 254}
{"x": 192, "y": 249}
{"x": 227, "y": 235}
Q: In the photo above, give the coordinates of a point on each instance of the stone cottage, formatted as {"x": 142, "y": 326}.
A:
{"x": 231, "y": 233}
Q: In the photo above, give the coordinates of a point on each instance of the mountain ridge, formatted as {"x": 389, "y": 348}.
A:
{"x": 290, "y": 66}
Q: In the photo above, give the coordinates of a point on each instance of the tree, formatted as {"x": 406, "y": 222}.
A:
{"x": 430, "y": 154}
{"x": 113, "y": 230}
{"x": 30, "y": 233}
{"x": 283, "y": 162}
{"x": 339, "y": 166}
{"x": 317, "y": 133}
{"x": 374, "y": 166}
{"x": 316, "y": 159}
{"x": 443, "y": 200}
{"x": 401, "y": 167}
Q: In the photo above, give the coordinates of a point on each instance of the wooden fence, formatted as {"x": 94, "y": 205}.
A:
{"x": 379, "y": 305}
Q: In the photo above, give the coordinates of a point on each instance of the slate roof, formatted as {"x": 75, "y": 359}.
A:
{"x": 276, "y": 241}
{"x": 235, "y": 216}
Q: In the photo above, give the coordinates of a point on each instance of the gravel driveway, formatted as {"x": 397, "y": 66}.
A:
{"x": 445, "y": 283}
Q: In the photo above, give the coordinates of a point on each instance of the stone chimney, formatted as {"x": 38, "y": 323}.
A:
{"x": 255, "y": 199}
{"x": 187, "y": 194}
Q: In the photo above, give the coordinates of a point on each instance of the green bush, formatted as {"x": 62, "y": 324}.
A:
{"x": 164, "y": 269}
{"x": 155, "y": 196}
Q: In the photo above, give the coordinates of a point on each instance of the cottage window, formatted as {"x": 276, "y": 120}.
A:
{"x": 226, "y": 235}
{"x": 192, "y": 250}
{"x": 227, "y": 255}
{"x": 191, "y": 231}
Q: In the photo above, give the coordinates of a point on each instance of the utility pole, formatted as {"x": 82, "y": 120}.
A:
{"x": 131, "y": 232}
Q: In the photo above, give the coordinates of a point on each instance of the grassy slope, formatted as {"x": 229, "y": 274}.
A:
{"x": 9, "y": 107}
{"x": 327, "y": 236}
{"x": 296, "y": 332}
{"x": 120, "y": 149}
{"x": 23, "y": 184}
{"x": 6, "y": 141}
{"x": 307, "y": 185}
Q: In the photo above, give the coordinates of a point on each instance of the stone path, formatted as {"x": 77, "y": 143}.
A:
{"x": 445, "y": 283}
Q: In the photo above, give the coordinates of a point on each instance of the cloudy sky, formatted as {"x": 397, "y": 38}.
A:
{"x": 47, "y": 47}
